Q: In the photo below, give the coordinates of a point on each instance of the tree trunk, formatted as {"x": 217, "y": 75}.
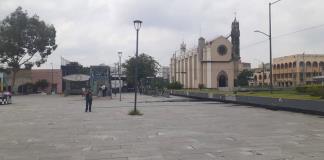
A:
{"x": 13, "y": 79}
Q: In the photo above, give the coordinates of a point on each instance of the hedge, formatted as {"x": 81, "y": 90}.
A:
{"x": 313, "y": 90}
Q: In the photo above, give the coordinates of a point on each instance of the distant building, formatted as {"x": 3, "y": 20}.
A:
{"x": 244, "y": 66}
{"x": 4, "y": 82}
{"x": 115, "y": 82}
{"x": 261, "y": 77}
{"x": 214, "y": 64}
{"x": 53, "y": 77}
{"x": 100, "y": 81}
{"x": 74, "y": 78}
{"x": 26, "y": 77}
{"x": 23, "y": 77}
{"x": 164, "y": 72}
{"x": 297, "y": 69}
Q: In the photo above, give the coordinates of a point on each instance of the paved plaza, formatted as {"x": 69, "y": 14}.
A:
{"x": 40, "y": 127}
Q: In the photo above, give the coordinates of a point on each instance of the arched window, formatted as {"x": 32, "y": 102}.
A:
{"x": 222, "y": 79}
{"x": 274, "y": 67}
{"x": 282, "y": 66}
{"x": 315, "y": 64}
{"x": 294, "y": 65}
{"x": 301, "y": 64}
{"x": 278, "y": 66}
{"x": 308, "y": 64}
{"x": 286, "y": 65}
{"x": 290, "y": 65}
{"x": 260, "y": 77}
{"x": 321, "y": 64}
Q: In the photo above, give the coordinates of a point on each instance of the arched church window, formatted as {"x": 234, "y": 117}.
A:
{"x": 222, "y": 79}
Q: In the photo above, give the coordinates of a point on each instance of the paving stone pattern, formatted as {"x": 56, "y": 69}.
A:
{"x": 57, "y": 128}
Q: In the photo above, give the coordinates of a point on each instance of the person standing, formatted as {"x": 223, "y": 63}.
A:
{"x": 88, "y": 98}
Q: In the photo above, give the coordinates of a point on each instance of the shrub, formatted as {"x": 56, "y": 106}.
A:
{"x": 313, "y": 90}
{"x": 175, "y": 85}
{"x": 201, "y": 86}
{"x": 301, "y": 89}
{"x": 135, "y": 113}
{"x": 321, "y": 93}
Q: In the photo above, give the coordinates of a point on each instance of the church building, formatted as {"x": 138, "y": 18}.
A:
{"x": 213, "y": 64}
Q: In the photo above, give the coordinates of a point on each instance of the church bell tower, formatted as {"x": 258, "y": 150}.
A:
{"x": 235, "y": 36}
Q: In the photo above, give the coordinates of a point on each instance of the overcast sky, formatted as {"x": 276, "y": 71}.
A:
{"x": 93, "y": 31}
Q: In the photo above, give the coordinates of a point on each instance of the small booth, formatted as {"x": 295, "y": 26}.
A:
{"x": 100, "y": 82}
{"x": 74, "y": 84}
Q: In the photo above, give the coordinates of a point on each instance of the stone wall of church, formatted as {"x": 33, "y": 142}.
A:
{"x": 216, "y": 61}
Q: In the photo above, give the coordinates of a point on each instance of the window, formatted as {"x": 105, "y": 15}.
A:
{"x": 222, "y": 50}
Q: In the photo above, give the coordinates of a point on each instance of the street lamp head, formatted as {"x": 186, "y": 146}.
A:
{"x": 120, "y": 53}
{"x": 137, "y": 24}
{"x": 271, "y": 3}
{"x": 257, "y": 31}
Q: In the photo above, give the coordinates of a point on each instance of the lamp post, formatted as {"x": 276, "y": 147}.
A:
{"x": 115, "y": 79}
{"x": 137, "y": 25}
{"x": 119, "y": 74}
{"x": 270, "y": 42}
{"x": 52, "y": 80}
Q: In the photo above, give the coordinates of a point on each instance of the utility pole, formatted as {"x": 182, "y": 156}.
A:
{"x": 115, "y": 87}
{"x": 119, "y": 75}
{"x": 304, "y": 74}
{"x": 52, "y": 80}
{"x": 270, "y": 42}
{"x": 263, "y": 73}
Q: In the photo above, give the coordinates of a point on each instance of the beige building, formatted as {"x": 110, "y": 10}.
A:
{"x": 261, "y": 78}
{"x": 214, "y": 64}
{"x": 297, "y": 69}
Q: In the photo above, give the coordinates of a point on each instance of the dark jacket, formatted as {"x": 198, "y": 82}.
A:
{"x": 88, "y": 96}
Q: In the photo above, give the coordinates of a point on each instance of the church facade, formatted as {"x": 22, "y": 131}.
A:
{"x": 213, "y": 64}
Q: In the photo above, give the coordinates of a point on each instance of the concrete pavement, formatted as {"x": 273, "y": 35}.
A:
{"x": 57, "y": 128}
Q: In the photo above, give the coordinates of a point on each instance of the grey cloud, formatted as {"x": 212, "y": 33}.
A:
{"x": 93, "y": 31}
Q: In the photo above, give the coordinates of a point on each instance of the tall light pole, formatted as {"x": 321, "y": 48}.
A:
{"x": 270, "y": 42}
{"x": 52, "y": 80}
{"x": 119, "y": 74}
{"x": 137, "y": 25}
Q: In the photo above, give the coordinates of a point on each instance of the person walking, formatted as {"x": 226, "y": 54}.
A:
{"x": 88, "y": 98}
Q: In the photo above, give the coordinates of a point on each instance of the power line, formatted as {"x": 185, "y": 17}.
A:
{"x": 285, "y": 34}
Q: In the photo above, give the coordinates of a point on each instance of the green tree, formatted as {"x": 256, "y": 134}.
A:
{"x": 147, "y": 67}
{"x": 25, "y": 41}
{"x": 42, "y": 84}
{"x": 175, "y": 85}
{"x": 243, "y": 78}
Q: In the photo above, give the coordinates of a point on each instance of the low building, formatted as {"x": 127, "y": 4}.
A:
{"x": 75, "y": 77}
{"x": 53, "y": 77}
{"x": 260, "y": 78}
{"x": 22, "y": 78}
{"x": 298, "y": 69}
{"x": 26, "y": 78}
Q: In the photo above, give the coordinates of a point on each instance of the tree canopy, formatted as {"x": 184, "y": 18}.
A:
{"x": 243, "y": 77}
{"x": 147, "y": 67}
{"x": 25, "y": 41}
